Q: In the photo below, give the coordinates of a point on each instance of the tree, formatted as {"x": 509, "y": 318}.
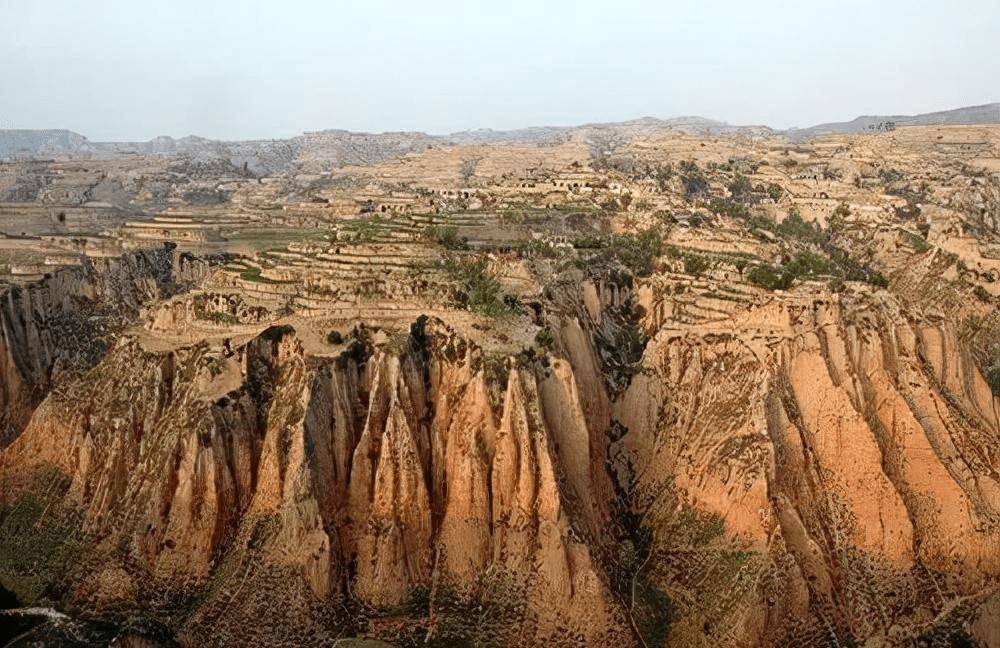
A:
{"x": 740, "y": 188}
{"x": 694, "y": 181}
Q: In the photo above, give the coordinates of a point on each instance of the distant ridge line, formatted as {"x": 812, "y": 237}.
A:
{"x": 30, "y": 143}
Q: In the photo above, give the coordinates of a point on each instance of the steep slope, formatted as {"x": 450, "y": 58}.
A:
{"x": 818, "y": 472}
{"x": 388, "y": 483}
{"x": 62, "y": 323}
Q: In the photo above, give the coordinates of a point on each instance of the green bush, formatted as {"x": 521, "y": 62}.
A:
{"x": 611, "y": 205}
{"x": 480, "y": 291}
{"x": 695, "y": 264}
{"x": 795, "y": 226}
{"x": 770, "y": 277}
{"x": 544, "y": 338}
{"x": 694, "y": 181}
{"x": 740, "y": 188}
{"x": 915, "y": 241}
{"x": 808, "y": 264}
{"x": 662, "y": 173}
{"x": 728, "y": 207}
{"x": 637, "y": 252}
{"x": 446, "y": 236}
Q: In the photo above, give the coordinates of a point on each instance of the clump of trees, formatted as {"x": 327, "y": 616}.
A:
{"x": 637, "y": 252}
{"x": 740, "y": 188}
{"x": 803, "y": 265}
{"x": 693, "y": 179}
{"x": 728, "y": 207}
{"x": 810, "y": 265}
{"x": 793, "y": 226}
{"x": 480, "y": 291}
{"x": 446, "y": 236}
{"x": 695, "y": 264}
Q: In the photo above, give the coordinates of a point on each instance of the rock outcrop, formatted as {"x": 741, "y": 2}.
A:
{"x": 60, "y": 323}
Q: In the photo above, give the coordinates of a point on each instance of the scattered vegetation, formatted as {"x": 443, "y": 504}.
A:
{"x": 362, "y": 231}
{"x": 821, "y": 258}
{"x": 545, "y": 338}
{"x": 534, "y": 248}
{"x": 611, "y": 205}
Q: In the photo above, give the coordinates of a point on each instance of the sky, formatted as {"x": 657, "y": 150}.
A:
{"x": 227, "y": 69}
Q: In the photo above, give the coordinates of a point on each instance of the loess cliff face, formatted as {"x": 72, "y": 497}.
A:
{"x": 420, "y": 482}
{"x": 62, "y": 323}
{"x": 822, "y": 469}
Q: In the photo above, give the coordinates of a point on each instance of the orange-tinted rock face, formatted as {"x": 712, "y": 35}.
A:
{"x": 372, "y": 481}
{"x": 842, "y": 464}
{"x": 821, "y": 471}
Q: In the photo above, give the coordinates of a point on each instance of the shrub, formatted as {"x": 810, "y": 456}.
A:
{"x": 808, "y": 264}
{"x": 638, "y": 253}
{"x": 662, "y": 173}
{"x": 665, "y": 216}
{"x": 334, "y": 337}
{"x": 695, "y": 264}
{"x": 740, "y": 188}
{"x": 481, "y": 292}
{"x": 544, "y": 338}
{"x": 918, "y": 243}
{"x": 611, "y": 205}
{"x": 446, "y": 236}
{"x": 694, "y": 181}
{"x": 982, "y": 294}
{"x": 770, "y": 277}
{"x": 728, "y": 207}
{"x": 795, "y": 226}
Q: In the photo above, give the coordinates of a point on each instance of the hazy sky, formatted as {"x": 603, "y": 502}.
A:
{"x": 134, "y": 69}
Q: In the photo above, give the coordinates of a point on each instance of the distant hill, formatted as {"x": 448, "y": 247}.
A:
{"x": 338, "y": 148}
{"x": 985, "y": 114}
{"x": 35, "y": 142}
